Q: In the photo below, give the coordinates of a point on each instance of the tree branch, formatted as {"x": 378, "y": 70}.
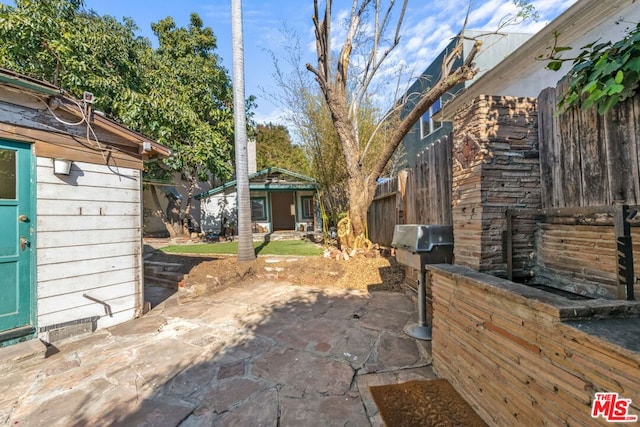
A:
{"x": 321, "y": 30}
{"x": 374, "y": 62}
{"x": 446, "y": 81}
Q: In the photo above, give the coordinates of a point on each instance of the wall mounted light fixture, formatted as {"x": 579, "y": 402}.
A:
{"x": 145, "y": 147}
{"x": 61, "y": 166}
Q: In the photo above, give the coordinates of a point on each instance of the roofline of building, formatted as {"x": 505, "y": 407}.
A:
{"x": 24, "y": 82}
{"x": 572, "y": 22}
{"x": 312, "y": 183}
{"x": 70, "y": 104}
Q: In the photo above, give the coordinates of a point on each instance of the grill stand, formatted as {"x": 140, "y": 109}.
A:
{"x": 420, "y": 330}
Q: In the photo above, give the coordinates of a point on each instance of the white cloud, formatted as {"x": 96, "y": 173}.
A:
{"x": 427, "y": 30}
{"x": 426, "y": 34}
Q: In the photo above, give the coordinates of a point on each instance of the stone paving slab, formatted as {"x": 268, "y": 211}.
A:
{"x": 303, "y": 371}
{"x": 329, "y": 411}
{"x": 260, "y": 354}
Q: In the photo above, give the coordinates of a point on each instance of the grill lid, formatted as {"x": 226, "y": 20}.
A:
{"x": 421, "y": 238}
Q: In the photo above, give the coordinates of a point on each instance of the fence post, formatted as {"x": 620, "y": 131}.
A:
{"x": 624, "y": 248}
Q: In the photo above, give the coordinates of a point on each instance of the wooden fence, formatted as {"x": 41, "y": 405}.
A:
{"x": 417, "y": 196}
{"x": 386, "y": 210}
{"x": 429, "y": 185}
{"x": 587, "y": 159}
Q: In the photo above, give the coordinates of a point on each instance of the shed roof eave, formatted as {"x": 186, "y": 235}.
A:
{"x": 146, "y": 146}
{"x": 24, "y": 82}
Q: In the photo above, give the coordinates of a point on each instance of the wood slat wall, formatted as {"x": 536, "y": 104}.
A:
{"x": 588, "y": 159}
{"x": 385, "y": 211}
{"x": 88, "y": 241}
{"x": 429, "y": 186}
{"x": 421, "y": 195}
{"x": 513, "y": 359}
{"x": 581, "y": 258}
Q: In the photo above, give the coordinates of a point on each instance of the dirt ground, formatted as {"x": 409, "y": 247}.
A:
{"x": 217, "y": 271}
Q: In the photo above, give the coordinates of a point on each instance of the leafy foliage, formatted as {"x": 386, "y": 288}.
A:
{"x": 188, "y": 100}
{"x": 603, "y": 74}
{"x": 178, "y": 94}
{"x": 59, "y": 42}
{"x": 274, "y": 148}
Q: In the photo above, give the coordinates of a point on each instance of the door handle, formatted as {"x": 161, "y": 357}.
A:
{"x": 23, "y": 243}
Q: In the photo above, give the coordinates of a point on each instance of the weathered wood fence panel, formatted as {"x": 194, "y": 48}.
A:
{"x": 429, "y": 186}
{"x": 386, "y": 211}
{"x": 587, "y": 159}
{"x": 417, "y": 196}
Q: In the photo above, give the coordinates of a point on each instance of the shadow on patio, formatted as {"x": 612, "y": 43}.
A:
{"x": 254, "y": 354}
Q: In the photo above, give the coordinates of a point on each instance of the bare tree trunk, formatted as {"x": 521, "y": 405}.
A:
{"x": 245, "y": 237}
{"x": 357, "y": 182}
{"x": 344, "y": 107}
{"x": 158, "y": 210}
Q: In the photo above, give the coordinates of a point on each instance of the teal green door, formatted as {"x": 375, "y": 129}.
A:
{"x": 15, "y": 246}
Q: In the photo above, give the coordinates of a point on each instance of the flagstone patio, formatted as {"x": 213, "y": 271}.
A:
{"x": 259, "y": 353}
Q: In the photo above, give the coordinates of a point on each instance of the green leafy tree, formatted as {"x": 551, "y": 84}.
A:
{"x": 58, "y": 41}
{"x": 186, "y": 103}
{"x": 178, "y": 94}
{"x": 603, "y": 74}
{"x": 275, "y": 148}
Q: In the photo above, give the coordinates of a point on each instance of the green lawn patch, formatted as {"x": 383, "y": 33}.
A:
{"x": 280, "y": 247}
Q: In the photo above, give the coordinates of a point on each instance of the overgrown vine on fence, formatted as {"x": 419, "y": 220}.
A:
{"x": 603, "y": 74}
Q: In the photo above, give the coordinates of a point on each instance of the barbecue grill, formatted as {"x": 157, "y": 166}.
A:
{"x": 416, "y": 246}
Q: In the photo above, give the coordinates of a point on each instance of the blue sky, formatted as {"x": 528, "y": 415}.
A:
{"x": 428, "y": 27}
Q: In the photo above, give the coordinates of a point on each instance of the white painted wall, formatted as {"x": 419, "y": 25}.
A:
{"x": 214, "y": 208}
{"x": 304, "y": 223}
{"x": 88, "y": 242}
{"x": 495, "y": 48}
{"x": 531, "y": 81}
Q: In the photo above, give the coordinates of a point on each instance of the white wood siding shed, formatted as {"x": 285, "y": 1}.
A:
{"x": 89, "y": 244}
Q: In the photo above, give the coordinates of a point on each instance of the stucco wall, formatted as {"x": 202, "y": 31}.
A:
{"x": 152, "y": 221}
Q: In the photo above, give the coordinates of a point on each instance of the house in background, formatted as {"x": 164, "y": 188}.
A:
{"x": 176, "y": 190}
{"x": 281, "y": 200}
{"x": 70, "y": 214}
{"x": 428, "y": 130}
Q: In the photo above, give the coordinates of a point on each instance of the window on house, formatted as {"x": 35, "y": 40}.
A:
{"x": 7, "y": 174}
{"x": 258, "y": 208}
{"x": 427, "y": 124}
{"x": 307, "y": 207}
